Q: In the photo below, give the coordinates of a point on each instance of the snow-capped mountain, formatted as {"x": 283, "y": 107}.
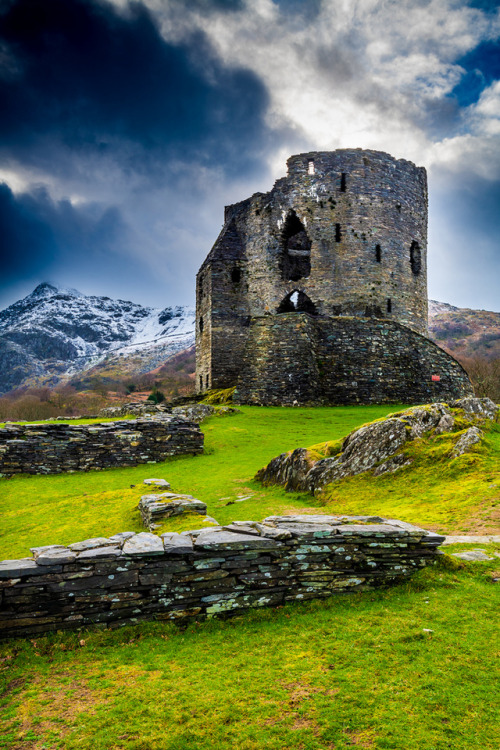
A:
{"x": 55, "y": 333}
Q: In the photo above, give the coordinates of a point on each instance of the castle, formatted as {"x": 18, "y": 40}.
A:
{"x": 316, "y": 292}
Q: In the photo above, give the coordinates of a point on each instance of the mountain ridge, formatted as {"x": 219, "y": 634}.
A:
{"x": 54, "y": 333}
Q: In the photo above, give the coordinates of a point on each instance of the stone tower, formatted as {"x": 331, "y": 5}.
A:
{"x": 316, "y": 292}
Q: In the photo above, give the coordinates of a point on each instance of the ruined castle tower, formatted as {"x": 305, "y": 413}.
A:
{"x": 316, "y": 292}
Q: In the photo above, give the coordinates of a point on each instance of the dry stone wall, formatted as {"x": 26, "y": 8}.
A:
{"x": 54, "y": 448}
{"x": 131, "y": 577}
{"x": 296, "y": 357}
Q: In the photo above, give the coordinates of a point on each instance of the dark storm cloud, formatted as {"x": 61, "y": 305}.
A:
{"x": 27, "y": 240}
{"x": 85, "y": 76}
{"x": 38, "y": 232}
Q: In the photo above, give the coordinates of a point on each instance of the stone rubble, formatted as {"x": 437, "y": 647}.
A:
{"x": 157, "y": 483}
{"x": 156, "y": 508}
{"x": 128, "y": 577}
{"x": 472, "y": 555}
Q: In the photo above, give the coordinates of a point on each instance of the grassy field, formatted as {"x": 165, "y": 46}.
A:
{"x": 447, "y": 496}
{"x": 410, "y": 668}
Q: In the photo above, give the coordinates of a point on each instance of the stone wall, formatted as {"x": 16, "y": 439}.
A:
{"x": 307, "y": 359}
{"x": 132, "y": 577}
{"x": 54, "y": 448}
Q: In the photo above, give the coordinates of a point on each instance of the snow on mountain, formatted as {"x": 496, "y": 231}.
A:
{"x": 54, "y": 333}
{"x": 435, "y": 308}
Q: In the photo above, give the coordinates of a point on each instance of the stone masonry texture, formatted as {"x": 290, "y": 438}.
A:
{"x": 342, "y": 239}
{"x": 54, "y": 448}
{"x": 131, "y": 577}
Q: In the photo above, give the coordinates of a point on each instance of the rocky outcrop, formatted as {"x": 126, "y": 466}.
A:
{"x": 129, "y": 577}
{"x": 55, "y": 448}
{"x": 378, "y": 445}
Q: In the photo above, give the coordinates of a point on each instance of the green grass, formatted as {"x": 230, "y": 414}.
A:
{"x": 352, "y": 671}
{"x": 447, "y": 496}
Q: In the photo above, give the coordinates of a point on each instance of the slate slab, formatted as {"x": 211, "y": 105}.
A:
{"x": 143, "y": 544}
{"x": 177, "y": 544}
{"x": 214, "y": 539}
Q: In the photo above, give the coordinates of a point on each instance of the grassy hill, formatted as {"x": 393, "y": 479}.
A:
{"x": 402, "y": 669}
{"x": 463, "y": 332}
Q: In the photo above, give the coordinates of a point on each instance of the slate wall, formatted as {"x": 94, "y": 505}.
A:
{"x": 298, "y": 357}
{"x": 54, "y": 448}
{"x": 132, "y": 577}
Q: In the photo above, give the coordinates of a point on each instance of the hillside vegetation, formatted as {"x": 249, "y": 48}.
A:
{"x": 401, "y": 669}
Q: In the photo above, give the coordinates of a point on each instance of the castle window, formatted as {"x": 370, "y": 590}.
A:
{"x": 389, "y": 305}
{"x": 236, "y": 275}
{"x": 378, "y": 253}
{"x": 338, "y": 234}
{"x": 201, "y": 382}
{"x": 310, "y": 166}
{"x": 200, "y": 324}
{"x": 415, "y": 258}
{"x": 296, "y": 256}
{"x": 297, "y": 301}
{"x": 207, "y": 381}
{"x": 342, "y": 182}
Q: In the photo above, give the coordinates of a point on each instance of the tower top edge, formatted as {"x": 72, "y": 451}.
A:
{"x": 345, "y": 155}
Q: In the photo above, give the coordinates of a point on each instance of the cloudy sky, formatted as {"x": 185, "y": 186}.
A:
{"x": 126, "y": 127}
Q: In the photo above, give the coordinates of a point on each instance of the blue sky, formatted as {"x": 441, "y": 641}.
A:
{"x": 126, "y": 128}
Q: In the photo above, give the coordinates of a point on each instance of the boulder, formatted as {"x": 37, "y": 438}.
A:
{"x": 194, "y": 412}
{"x": 470, "y": 437}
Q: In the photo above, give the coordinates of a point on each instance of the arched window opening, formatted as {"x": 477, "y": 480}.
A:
{"x": 207, "y": 381}
{"x": 200, "y": 324}
{"x": 342, "y": 182}
{"x": 296, "y": 256}
{"x": 297, "y": 301}
{"x": 236, "y": 275}
{"x": 389, "y": 305}
{"x": 338, "y": 233}
{"x": 415, "y": 257}
{"x": 310, "y": 166}
{"x": 378, "y": 253}
{"x": 201, "y": 382}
